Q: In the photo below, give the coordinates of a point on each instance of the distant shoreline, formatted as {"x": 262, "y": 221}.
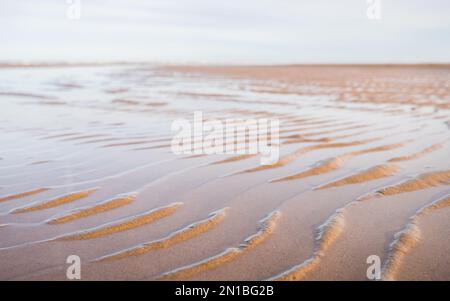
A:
{"x": 119, "y": 63}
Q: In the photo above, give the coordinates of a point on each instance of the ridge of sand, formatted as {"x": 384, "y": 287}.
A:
{"x": 328, "y": 232}
{"x": 178, "y": 236}
{"x": 61, "y": 200}
{"x": 124, "y": 224}
{"x": 373, "y": 173}
{"x": 293, "y": 156}
{"x": 424, "y": 152}
{"x": 23, "y": 194}
{"x": 92, "y": 210}
{"x": 423, "y": 181}
{"x": 267, "y": 227}
{"x": 336, "y": 162}
{"x": 408, "y": 238}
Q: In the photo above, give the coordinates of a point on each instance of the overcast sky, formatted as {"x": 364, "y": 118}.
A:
{"x": 226, "y": 31}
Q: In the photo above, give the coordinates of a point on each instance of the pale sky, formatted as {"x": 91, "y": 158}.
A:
{"x": 226, "y": 31}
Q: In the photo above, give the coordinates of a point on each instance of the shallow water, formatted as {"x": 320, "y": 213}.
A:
{"x": 89, "y": 147}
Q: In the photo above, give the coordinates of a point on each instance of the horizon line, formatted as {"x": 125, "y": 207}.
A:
{"x": 43, "y": 64}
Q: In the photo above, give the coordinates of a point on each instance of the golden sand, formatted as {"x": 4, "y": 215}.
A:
{"x": 68, "y": 198}
{"x": 335, "y": 163}
{"x": 85, "y": 212}
{"x": 268, "y": 225}
{"x": 22, "y": 194}
{"x": 293, "y": 156}
{"x": 324, "y": 167}
{"x": 122, "y": 144}
{"x": 408, "y": 238}
{"x": 327, "y": 234}
{"x": 374, "y": 173}
{"x": 424, "y": 152}
{"x": 423, "y": 181}
{"x": 178, "y": 236}
{"x": 125, "y": 225}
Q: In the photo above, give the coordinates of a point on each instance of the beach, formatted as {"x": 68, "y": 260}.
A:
{"x": 87, "y": 168}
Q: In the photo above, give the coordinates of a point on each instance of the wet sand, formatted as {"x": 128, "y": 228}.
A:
{"x": 86, "y": 169}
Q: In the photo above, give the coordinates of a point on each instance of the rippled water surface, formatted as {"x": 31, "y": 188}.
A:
{"x": 86, "y": 168}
